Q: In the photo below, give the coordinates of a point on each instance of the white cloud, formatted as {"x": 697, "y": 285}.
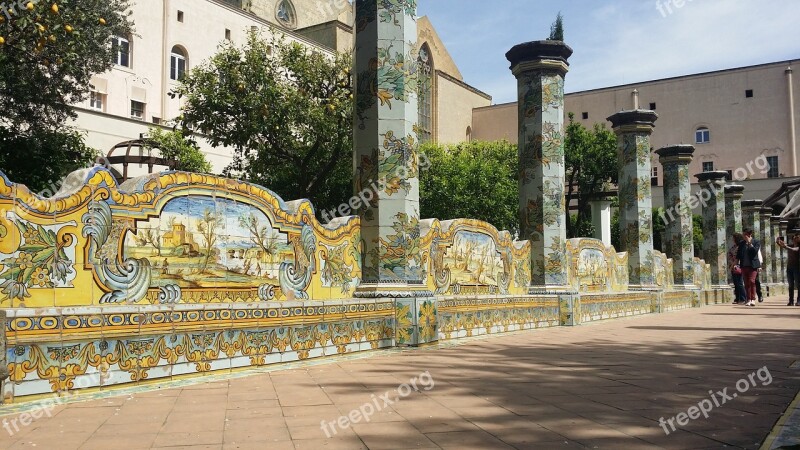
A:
{"x": 617, "y": 42}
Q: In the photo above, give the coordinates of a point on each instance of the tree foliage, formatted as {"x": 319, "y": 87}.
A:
{"x": 48, "y": 53}
{"x": 557, "y": 29}
{"x": 286, "y": 111}
{"x": 173, "y": 145}
{"x": 41, "y": 159}
{"x": 591, "y": 167}
{"x": 475, "y": 180}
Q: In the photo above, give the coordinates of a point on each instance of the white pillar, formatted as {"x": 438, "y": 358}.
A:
{"x": 601, "y": 220}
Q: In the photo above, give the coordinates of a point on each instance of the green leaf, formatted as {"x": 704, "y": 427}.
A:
{"x": 44, "y": 255}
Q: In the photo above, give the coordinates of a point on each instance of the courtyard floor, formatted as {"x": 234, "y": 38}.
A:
{"x": 602, "y": 385}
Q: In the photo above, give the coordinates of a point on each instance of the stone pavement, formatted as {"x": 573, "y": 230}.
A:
{"x": 602, "y": 385}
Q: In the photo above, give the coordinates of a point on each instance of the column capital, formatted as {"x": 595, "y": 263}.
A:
{"x": 536, "y": 55}
{"x": 682, "y": 154}
{"x": 766, "y": 211}
{"x": 633, "y": 121}
{"x": 775, "y": 219}
{"x": 754, "y": 205}
{"x": 734, "y": 191}
{"x": 714, "y": 177}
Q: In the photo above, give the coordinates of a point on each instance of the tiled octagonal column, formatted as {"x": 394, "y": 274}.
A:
{"x": 387, "y": 164}
{"x": 751, "y": 217}
{"x": 633, "y": 129}
{"x": 679, "y": 243}
{"x": 540, "y": 68}
{"x": 733, "y": 210}
{"x": 785, "y": 233}
{"x": 712, "y": 196}
{"x": 386, "y": 143}
{"x": 777, "y": 261}
{"x": 767, "y": 246}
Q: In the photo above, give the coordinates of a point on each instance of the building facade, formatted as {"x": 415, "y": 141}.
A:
{"x": 172, "y": 36}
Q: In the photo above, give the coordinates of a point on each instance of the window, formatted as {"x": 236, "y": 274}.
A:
{"x": 97, "y": 101}
{"x": 122, "y": 51}
{"x": 227, "y": 34}
{"x": 774, "y": 169}
{"x": 285, "y": 14}
{"x": 585, "y": 115}
{"x": 180, "y": 16}
{"x": 424, "y": 86}
{"x": 177, "y": 63}
{"x": 654, "y": 176}
{"x": 137, "y": 110}
{"x": 708, "y": 166}
{"x": 469, "y": 134}
{"x": 748, "y": 93}
{"x": 157, "y": 120}
{"x": 652, "y": 106}
{"x": 702, "y": 135}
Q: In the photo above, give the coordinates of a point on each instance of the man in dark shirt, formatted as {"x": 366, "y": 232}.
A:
{"x": 792, "y": 267}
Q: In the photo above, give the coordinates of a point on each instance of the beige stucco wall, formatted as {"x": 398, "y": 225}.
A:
{"x": 455, "y": 103}
{"x": 334, "y": 35}
{"x": 442, "y": 60}
{"x": 308, "y": 12}
{"x": 496, "y": 122}
{"x": 741, "y": 128}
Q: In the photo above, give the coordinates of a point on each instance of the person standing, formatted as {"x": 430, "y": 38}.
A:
{"x": 736, "y": 271}
{"x": 792, "y": 267}
{"x": 750, "y": 263}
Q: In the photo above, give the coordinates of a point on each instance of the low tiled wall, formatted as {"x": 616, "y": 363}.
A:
{"x": 62, "y": 349}
{"x": 468, "y": 317}
{"x": 611, "y": 306}
{"x": 677, "y": 300}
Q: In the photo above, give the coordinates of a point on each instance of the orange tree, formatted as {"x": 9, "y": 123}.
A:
{"x": 49, "y": 50}
{"x": 286, "y": 111}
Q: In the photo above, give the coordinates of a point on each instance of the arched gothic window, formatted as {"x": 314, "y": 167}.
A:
{"x": 425, "y": 95}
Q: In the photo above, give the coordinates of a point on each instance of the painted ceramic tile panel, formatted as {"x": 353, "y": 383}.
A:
{"x": 170, "y": 238}
{"x": 472, "y": 257}
{"x": 593, "y": 267}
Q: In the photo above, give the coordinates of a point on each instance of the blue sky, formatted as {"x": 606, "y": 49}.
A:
{"x": 615, "y": 42}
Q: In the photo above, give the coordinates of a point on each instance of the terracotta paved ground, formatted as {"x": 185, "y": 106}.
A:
{"x": 600, "y": 386}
